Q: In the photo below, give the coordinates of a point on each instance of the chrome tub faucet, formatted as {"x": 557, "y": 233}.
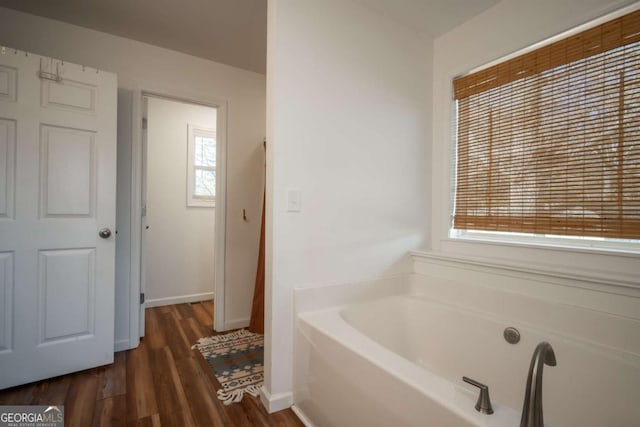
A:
{"x": 532, "y": 408}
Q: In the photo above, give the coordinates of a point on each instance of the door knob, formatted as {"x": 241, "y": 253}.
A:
{"x": 105, "y": 233}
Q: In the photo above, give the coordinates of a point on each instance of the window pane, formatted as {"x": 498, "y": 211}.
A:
{"x": 205, "y": 184}
{"x": 205, "y": 151}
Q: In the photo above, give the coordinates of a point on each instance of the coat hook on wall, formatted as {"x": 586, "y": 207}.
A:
{"x": 244, "y": 215}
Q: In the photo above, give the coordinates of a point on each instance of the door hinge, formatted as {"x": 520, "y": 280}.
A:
{"x": 144, "y": 123}
{"x": 142, "y": 298}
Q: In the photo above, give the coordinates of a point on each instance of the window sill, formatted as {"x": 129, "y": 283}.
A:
{"x": 552, "y": 245}
{"x": 201, "y": 204}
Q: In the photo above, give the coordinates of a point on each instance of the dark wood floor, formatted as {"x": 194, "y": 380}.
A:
{"x": 161, "y": 383}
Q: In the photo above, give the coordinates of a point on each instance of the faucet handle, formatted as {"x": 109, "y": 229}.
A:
{"x": 483, "y": 405}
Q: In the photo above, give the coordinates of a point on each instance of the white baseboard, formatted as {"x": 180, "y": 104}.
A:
{"x": 122, "y": 345}
{"x": 277, "y": 402}
{"x": 158, "y": 302}
{"x": 302, "y": 416}
{"x": 236, "y": 323}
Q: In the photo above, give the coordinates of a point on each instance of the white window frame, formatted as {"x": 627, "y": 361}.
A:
{"x": 193, "y": 131}
{"x": 576, "y": 243}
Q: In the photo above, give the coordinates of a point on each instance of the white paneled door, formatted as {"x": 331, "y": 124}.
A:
{"x": 57, "y": 217}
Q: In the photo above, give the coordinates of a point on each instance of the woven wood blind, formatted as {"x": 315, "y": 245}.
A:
{"x": 549, "y": 142}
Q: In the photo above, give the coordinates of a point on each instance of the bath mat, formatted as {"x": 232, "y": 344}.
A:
{"x": 237, "y": 360}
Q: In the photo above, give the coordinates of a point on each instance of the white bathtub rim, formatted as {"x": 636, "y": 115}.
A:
{"x": 456, "y": 398}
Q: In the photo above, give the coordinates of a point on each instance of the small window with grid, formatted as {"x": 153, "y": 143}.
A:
{"x": 201, "y": 171}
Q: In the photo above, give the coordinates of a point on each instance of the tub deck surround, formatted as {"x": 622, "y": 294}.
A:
{"x": 396, "y": 356}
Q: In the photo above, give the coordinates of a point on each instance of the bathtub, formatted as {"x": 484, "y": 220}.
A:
{"x": 397, "y": 356}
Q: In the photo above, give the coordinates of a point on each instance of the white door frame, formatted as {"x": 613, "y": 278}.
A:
{"x": 137, "y": 158}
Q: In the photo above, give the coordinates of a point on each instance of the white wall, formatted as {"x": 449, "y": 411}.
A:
{"x": 506, "y": 28}
{"x": 347, "y": 125}
{"x": 180, "y": 239}
{"x": 144, "y": 67}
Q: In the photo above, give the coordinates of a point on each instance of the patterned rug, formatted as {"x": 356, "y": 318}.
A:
{"x": 237, "y": 360}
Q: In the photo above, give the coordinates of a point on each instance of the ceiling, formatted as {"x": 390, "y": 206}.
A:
{"x": 431, "y": 17}
{"x": 233, "y": 32}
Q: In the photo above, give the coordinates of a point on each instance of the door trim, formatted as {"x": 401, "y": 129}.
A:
{"x": 137, "y": 155}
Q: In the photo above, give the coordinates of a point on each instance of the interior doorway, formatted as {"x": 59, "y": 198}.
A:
{"x": 180, "y": 190}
